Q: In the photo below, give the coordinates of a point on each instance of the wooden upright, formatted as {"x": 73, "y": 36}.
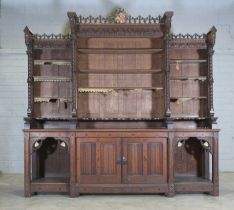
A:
{"x": 120, "y": 105}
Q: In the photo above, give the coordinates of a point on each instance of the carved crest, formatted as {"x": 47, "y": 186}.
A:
{"x": 119, "y": 16}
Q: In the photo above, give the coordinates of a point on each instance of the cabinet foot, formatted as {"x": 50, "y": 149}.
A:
{"x": 74, "y": 195}
{"x": 27, "y": 194}
{"x": 171, "y": 191}
{"x": 170, "y": 194}
{"x": 215, "y": 191}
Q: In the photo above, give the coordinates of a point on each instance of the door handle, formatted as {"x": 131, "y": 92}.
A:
{"x": 122, "y": 161}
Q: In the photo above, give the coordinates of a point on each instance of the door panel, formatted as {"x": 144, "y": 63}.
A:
{"x": 146, "y": 160}
{"x": 135, "y": 157}
{"x": 97, "y": 160}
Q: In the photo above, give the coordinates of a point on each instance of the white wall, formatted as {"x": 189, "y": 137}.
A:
{"x": 50, "y": 16}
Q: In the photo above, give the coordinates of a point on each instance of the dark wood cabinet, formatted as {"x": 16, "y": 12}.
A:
{"x": 120, "y": 105}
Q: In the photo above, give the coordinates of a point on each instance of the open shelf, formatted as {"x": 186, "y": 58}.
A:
{"x": 51, "y": 79}
{"x": 187, "y": 178}
{"x": 52, "y": 62}
{"x": 56, "y": 118}
{"x": 52, "y": 99}
{"x": 128, "y": 71}
{"x": 51, "y": 180}
{"x": 51, "y": 184}
{"x": 174, "y": 99}
{"x": 185, "y": 78}
{"x": 172, "y": 61}
{"x": 120, "y": 119}
{"x": 181, "y": 117}
{"x": 83, "y": 89}
{"x": 119, "y": 50}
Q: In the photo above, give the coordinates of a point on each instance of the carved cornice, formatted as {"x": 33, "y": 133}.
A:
{"x": 188, "y": 41}
{"x": 52, "y": 43}
{"x": 51, "y": 40}
{"x": 120, "y": 31}
{"x": 187, "y": 36}
{"x": 130, "y": 20}
{"x": 51, "y": 36}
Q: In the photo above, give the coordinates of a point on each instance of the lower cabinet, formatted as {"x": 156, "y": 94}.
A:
{"x": 121, "y": 160}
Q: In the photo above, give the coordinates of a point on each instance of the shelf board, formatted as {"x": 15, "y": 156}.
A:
{"x": 56, "y": 118}
{"x": 55, "y": 184}
{"x": 187, "y": 117}
{"x": 119, "y": 51}
{"x": 130, "y": 71}
{"x": 188, "y": 183}
{"x": 189, "y": 178}
{"x": 120, "y": 119}
{"x": 184, "y": 99}
{"x": 51, "y": 180}
{"x": 121, "y": 88}
{"x": 200, "y": 78}
{"x": 52, "y": 62}
{"x": 51, "y": 79}
{"x": 52, "y": 99}
{"x": 178, "y": 61}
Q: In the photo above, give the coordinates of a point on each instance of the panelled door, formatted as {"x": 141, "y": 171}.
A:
{"x": 144, "y": 160}
{"x": 116, "y": 160}
{"x": 97, "y": 160}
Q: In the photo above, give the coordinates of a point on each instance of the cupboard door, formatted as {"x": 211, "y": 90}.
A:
{"x": 97, "y": 160}
{"x": 144, "y": 160}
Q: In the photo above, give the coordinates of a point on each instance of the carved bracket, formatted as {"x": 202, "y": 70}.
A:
{"x": 36, "y": 143}
{"x": 206, "y": 142}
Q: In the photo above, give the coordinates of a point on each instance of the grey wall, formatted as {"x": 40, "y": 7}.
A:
{"x": 50, "y": 16}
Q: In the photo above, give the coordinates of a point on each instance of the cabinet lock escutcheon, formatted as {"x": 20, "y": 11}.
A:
{"x": 122, "y": 161}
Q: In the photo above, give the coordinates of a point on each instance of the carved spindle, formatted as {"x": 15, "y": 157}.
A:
{"x": 73, "y": 23}
{"x": 166, "y": 29}
{"x": 210, "y": 41}
{"x": 29, "y": 43}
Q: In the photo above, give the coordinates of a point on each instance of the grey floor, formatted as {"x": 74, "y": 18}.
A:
{"x": 11, "y": 198}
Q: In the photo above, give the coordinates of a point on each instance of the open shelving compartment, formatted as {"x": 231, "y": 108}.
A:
{"x": 52, "y": 83}
{"x": 192, "y": 164}
{"x": 121, "y": 80}
{"x": 190, "y": 103}
{"x": 189, "y": 78}
{"x": 46, "y": 153}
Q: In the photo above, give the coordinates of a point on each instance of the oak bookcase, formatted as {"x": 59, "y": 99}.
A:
{"x": 120, "y": 105}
